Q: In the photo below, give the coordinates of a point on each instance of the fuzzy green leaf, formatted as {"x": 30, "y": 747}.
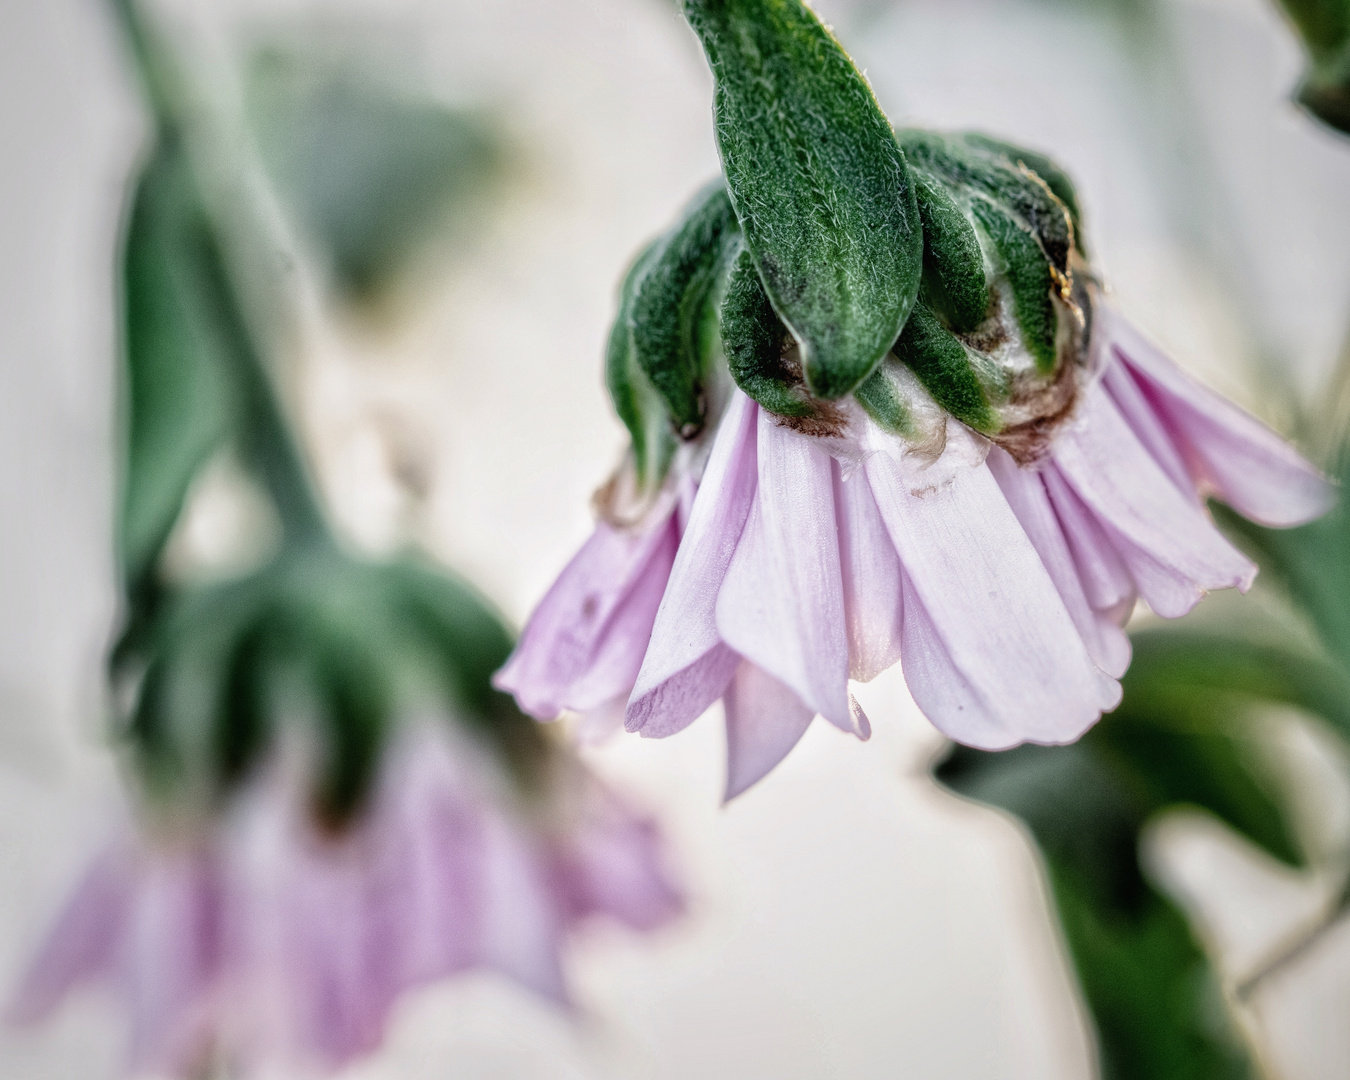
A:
{"x": 819, "y": 183}
{"x": 883, "y": 402}
{"x": 641, "y": 408}
{"x": 994, "y": 175}
{"x": 1055, "y": 178}
{"x": 945, "y": 367}
{"x": 1030, "y": 279}
{"x": 953, "y": 264}
{"x": 670, "y": 290}
{"x": 753, "y": 337}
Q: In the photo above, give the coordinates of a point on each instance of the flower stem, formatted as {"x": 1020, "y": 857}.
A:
{"x": 267, "y": 443}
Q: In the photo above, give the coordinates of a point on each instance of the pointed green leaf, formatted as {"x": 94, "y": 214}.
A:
{"x": 754, "y": 337}
{"x": 670, "y": 289}
{"x": 819, "y": 184}
{"x": 641, "y": 408}
{"x": 177, "y": 402}
{"x": 946, "y": 368}
{"x": 953, "y": 263}
{"x": 882, "y": 400}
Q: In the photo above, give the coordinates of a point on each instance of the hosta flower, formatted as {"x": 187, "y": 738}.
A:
{"x": 942, "y": 448}
{"x": 267, "y": 939}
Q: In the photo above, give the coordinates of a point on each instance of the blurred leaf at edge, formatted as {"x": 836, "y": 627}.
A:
{"x": 1175, "y": 740}
{"x": 1324, "y": 26}
{"x": 368, "y": 172}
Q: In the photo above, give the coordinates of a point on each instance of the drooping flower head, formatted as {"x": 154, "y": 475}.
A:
{"x": 940, "y": 446}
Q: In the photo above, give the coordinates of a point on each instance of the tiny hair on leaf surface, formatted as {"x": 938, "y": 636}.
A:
{"x": 819, "y": 183}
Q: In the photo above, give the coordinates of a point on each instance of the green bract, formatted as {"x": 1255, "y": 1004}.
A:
{"x": 923, "y": 273}
{"x": 754, "y": 340}
{"x": 953, "y": 264}
{"x": 636, "y": 400}
{"x": 948, "y": 369}
{"x": 819, "y": 184}
{"x": 669, "y": 292}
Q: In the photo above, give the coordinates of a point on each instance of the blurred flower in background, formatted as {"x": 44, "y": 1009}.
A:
{"x": 334, "y": 805}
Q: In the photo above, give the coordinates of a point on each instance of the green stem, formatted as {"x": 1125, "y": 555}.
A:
{"x": 266, "y": 441}
{"x": 267, "y": 444}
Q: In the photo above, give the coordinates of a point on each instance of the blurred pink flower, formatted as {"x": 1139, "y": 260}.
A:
{"x": 1002, "y": 589}
{"x": 267, "y": 941}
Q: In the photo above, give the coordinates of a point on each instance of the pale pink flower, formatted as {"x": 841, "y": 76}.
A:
{"x": 265, "y": 941}
{"x": 583, "y": 646}
{"x": 810, "y": 560}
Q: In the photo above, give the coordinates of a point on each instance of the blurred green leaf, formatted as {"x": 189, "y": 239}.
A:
{"x": 1324, "y": 26}
{"x": 1177, "y": 739}
{"x": 367, "y": 172}
{"x": 178, "y": 403}
{"x": 1310, "y": 563}
{"x": 348, "y": 645}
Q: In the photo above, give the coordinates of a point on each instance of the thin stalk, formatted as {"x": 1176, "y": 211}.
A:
{"x": 268, "y": 445}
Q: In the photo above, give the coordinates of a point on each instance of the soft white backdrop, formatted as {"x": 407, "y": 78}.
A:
{"x": 849, "y": 920}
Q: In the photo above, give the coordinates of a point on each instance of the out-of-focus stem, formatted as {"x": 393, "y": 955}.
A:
{"x": 269, "y": 447}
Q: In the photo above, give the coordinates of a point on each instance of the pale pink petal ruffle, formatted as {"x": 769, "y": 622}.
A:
{"x": 687, "y": 666}
{"x": 583, "y": 645}
{"x": 781, "y": 605}
{"x": 1225, "y": 449}
{"x": 765, "y": 720}
{"x": 990, "y": 653}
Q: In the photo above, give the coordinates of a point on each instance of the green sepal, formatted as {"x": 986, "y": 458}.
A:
{"x": 1055, "y": 178}
{"x": 954, "y": 283}
{"x": 995, "y": 176}
{"x": 1030, "y": 279}
{"x": 946, "y": 368}
{"x": 669, "y": 295}
{"x": 882, "y": 401}
{"x": 636, "y": 400}
{"x": 346, "y": 644}
{"x": 178, "y": 401}
{"x": 753, "y": 338}
{"x": 819, "y": 183}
